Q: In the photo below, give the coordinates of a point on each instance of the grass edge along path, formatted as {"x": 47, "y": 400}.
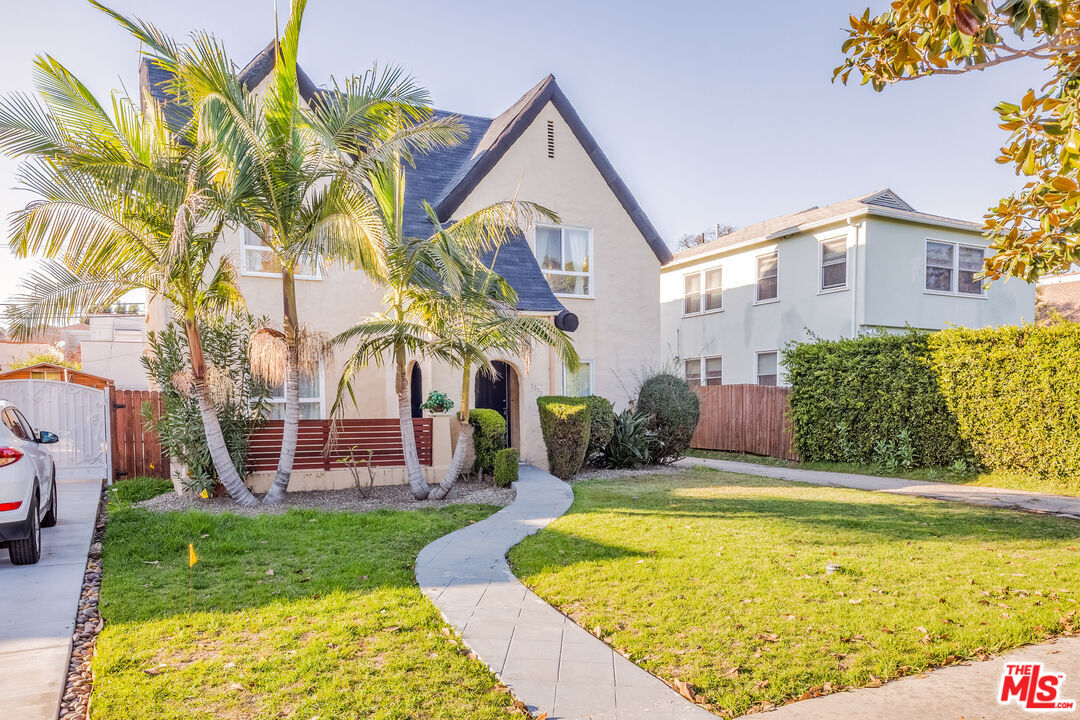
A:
{"x": 719, "y": 581}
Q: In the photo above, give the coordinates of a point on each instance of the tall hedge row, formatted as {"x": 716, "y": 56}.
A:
{"x": 849, "y": 395}
{"x": 1015, "y": 393}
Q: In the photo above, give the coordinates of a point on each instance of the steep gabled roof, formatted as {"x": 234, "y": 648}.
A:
{"x": 883, "y": 202}
{"x": 508, "y": 127}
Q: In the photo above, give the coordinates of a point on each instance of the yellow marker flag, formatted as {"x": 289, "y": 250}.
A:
{"x": 192, "y": 558}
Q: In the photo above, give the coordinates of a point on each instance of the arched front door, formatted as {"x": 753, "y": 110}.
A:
{"x": 499, "y": 393}
{"x": 416, "y": 388}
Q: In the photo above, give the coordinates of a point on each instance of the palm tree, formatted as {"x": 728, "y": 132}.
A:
{"x": 300, "y": 166}
{"x": 124, "y": 202}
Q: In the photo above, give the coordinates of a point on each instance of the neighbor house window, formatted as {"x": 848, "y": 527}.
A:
{"x": 834, "y": 264}
{"x": 703, "y": 291}
{"x": 311, "y": 398}
{"x": 714, "y": 370}
{"x": 46, "y": 375}
{"x": 578, "y": 383}
{"x": 766, "y": 368}
{"x": 565, "y": 256}
{"x": 262, "y": 260}
{"x": 951, "y": 267}
{"x": 766, "y": 277}
{"x": 693, "y": 371}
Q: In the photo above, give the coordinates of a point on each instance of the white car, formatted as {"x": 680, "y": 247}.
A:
{"x": 27, "y": 486}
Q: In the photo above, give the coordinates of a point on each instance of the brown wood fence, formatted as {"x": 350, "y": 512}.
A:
{"x": 380, "y": 436}
{"x": 135, "y": 451}
{"x": 745, "y": 418}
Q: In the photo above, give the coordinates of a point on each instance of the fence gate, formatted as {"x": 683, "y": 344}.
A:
{"x": 76, "y": 413}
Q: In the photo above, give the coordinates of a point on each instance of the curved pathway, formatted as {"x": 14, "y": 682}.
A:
{"x": 550, "y": 663}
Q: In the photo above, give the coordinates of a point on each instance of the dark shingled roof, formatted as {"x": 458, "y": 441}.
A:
{"x": 445, "y": 177}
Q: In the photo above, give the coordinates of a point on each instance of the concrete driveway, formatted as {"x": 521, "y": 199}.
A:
{"x": 38, "y": 605}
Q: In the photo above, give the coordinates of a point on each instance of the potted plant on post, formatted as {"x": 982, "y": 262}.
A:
{"x": 437, "y": 403}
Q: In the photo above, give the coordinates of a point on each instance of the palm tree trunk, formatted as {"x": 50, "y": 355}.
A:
{"x": 292, "y": 392}
{"x": 417, "y": 482}
{"x": 458, "y": 460}
{"x": 215, "y": 439}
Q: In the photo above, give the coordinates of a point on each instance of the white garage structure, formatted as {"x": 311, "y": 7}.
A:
{"x": 78, "y": 413}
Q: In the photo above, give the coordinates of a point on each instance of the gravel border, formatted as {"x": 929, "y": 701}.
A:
{"x": 595, "y": 473}
{"x": 75, "y": 702}
{"x": 381, "y": 497}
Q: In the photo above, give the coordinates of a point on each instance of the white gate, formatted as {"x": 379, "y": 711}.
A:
{"x": 78, "y": 416}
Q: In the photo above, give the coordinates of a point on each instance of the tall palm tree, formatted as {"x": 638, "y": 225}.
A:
{"x": 124, "y": 201}
{"x": 299, "y": 165}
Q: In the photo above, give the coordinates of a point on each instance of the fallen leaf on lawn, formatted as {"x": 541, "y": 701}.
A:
{"x": 874, "y": 682}
{"x": 236, "y": 686}
{"x": 855, "y": 601}
{"x": 230, "y": 664}
{"x": 151, "y": 671}
{"x": 684, "y": 689}
{"x": 269, "y": 571}
{"x": 761, "y": 684}
{"x": 205, "y": 535}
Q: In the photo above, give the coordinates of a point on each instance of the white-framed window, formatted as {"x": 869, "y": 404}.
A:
{"x": 578, "y": 383}
{"x": 767, "y": 368}
{"x": 951, "y": 268}
{"x": 565, "y": 257}
{"x": 311, "y": 398}
{"x": 714, "y": 370}
{"x": 692, "y": 371}
{"x": 703, "y": 291}
{"x": 767, "y": 272}
{"x": 834, "y": 264}
{"x": 262, "y": 261}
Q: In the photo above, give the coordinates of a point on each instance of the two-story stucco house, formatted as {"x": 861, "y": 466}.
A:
{"x": 596, "y": 274}
{"x": 729, "y": 306}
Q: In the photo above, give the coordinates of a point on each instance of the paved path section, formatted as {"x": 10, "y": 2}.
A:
{"x": 958, "y": 692}
{"x": 550, "y": 663}
{"x": 38, "y": 605}
{"x": 971, "y": 494}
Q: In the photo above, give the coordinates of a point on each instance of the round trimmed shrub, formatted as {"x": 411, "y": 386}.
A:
{"x": 564, "y": 422}
{"x": 489, "y": 437}
{"x": 601, "y": 424}
{"x": 673, "y": 411}
{"x": 506, "y": 467}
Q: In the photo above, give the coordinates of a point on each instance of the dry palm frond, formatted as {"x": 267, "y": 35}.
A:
{"x": 268, "y": 352}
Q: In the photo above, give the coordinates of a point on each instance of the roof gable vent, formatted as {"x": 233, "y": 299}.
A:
{"x": 887, "y": 198}
{"x": 551, "y": 138}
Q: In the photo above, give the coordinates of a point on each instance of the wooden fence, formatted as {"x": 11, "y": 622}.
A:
{"x": 136, "y": 452}
{"x": 382, "y": 437}
{"x": 745, "y": 418}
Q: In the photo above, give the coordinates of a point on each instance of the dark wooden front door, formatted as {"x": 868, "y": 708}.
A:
{"x": 416, "y": 388}
{"x": 494, "y": 394}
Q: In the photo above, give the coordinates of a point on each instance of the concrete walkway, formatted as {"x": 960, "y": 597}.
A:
{"x": 38, "y": 604}
{"x": 550, "y": 663}
{"x": 973, "y": 495}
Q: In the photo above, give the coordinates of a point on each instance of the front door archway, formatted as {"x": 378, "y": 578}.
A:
{"x": 500, "y": 393}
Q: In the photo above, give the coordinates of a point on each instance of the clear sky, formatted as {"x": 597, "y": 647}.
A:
{"x": 712, "y": 112}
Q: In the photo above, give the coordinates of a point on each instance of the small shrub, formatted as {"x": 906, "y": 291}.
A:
{"x": 489, "y": 437}
{"x": 564, "y": 422}
{"x": 630, "y": 441}
{"x": 506, "y": 467}
{"x": 601, "y": 424}
{"x": 673, "y": 411}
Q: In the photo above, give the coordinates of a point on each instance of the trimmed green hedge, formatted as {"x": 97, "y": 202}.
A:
{"x": 506, "y": 467}
{"x": 1015, "y": 393}
{"x": 673, "y": 410}
{"x": 489, "y": 437}
{"x": 564, "y": 422}
{"x": 601, "y": 424}
{"x": 855, "y": 400}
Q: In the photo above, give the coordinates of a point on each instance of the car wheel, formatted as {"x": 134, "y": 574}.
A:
{"x": 52, "y": 515}
{"x": 28, "y": 551}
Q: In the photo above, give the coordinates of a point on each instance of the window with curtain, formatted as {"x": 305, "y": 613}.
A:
{"x": 951, "y": 267}
{"x": 714, "y": 370}
{"x": 578, "y": 383}
{"x": 258, "y": 259}
{"x": 767, "y": 287}
{"x": 834, "y": 264}
{"x": 311, "y": 392}
{"x": 703, "y": 291}
{"x": 767, "y": 368}
{"x": 565, "y": 257}
{"x": 692, "y": 370}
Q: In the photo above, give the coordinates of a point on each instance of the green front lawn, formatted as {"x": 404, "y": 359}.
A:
{"x": 303, "y": 615}
{"x": 998, "y": 479}
{"x": 718, "y": 580}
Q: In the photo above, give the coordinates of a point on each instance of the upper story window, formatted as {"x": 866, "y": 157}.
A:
{"x": 311, "y": 398}
{"x": 767, "y": 288}
{"x": 834, "y": 264}
{"x": 952, "y": 267}
{"x": 767, "y": 369}
{"x": 565, "y": 256}
{"x": 261, "y": 260}
{"x": 703, "y": 291}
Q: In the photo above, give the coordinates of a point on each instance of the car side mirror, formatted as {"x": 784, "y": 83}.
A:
{"x": 47, "y": 438}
